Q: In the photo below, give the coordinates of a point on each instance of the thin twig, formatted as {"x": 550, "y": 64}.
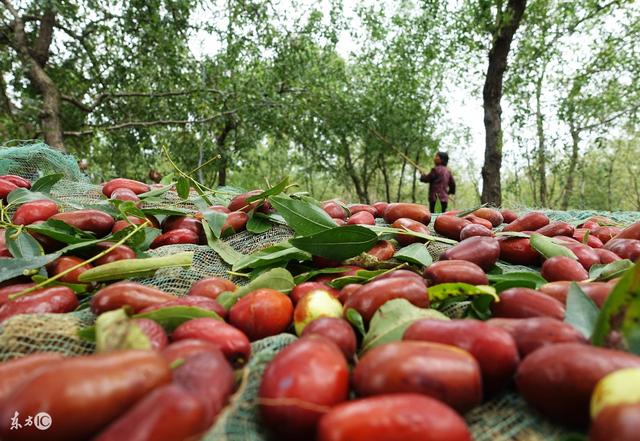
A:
{"x": 215, "y": 158}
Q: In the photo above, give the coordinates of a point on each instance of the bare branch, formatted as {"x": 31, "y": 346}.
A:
{"x": 99, "y": 99}
{"x": 161, "y": 122}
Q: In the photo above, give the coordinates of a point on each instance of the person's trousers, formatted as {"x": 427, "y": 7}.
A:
{"x": 432, "y": 206}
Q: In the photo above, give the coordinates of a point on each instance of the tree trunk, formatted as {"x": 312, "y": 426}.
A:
{"x": 385, "y": 175}
{"x": 220, "y": 141}
{"x": 533, "y": 182}
{"x": 352, "y": 172}
{"x": 542, "y": 159}
{"x": 414, "y": 183}
{"x": 610, "y": 170}
{"x": 582, "y": 186}
{"x": 6, "y": 106}
{"x": 636, "y": 188}
{"x": 404, "y": 166}
{"x": 568, "y": 188}
{"x": 33, "y": 59}
{"x": 7, "y": 109}
{"x": 491, "y": 96}
{"x": 200, "y": 161}
{"x": 222, "y": 171}
{"x": 366, "y": 175}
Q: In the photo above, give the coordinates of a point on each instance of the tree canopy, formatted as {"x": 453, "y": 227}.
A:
{"x": 243, "y": 91}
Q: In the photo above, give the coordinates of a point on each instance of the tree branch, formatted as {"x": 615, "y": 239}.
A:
{"x": 161, "y": 122}
{"x": 99, "y": 99}
{"x": 6, "y": 106}
{"x": 574, "y": 26}
{"x": 608, "y": 120}
{"x": 22, "y": 47}
{"x": 40, "y": 51}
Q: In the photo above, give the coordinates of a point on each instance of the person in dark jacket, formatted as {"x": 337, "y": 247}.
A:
{"x": 441, "y": 182}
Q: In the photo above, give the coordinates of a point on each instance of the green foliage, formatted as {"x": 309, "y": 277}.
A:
{"x": 271, "y": 93}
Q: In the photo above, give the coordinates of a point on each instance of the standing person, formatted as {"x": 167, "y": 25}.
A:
{"x": 441, "y": 183}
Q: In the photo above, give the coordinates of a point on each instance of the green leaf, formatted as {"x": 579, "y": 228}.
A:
{"x": 155, "y": 192}
{"x": 224, "y": 250}
{"x": 361, "y": 276}
{"x": 444, "y": 290}
{"x": 391, "y": 320}
{"x": 258, "y": 223}
{"x": 202, "y": 194}
{"x": 303, "y": 217}
{"x": 356, "y": 320}
{"x": 470, "y": 210}
{"x": 182, "y": 187}
{"x": 548, "y": 247}
{"x": 21, "y": 244}
{"x": 46, "y": 183}
{"x": 276, "y": 189}
{"x": 519, "y": 234}
{"x": 274, "y": 217}
{"x": 60, "y": 231}
{"x": 254, "y": 273}
{"x": 389, "y": 230}
{"x": 619, "y": 320}
{"x": 11, "y": 268}
{"x": 215, "y": 221}
{"x": 338, "y": 243}
{"x": 414, "y": 253}
{"x": 609, "y": 271}
{"x": 22, "y": 195}
{"x": 301, "y": 278}
{"x": 87, "y": 333}
{"x": 277, "y": 278}
{"x": 114, "y": 330}
{"x": 522, "y": 279}
{"x": 480, "y": 307}
{"x": 438, "y": 206}
{"x": 127, "y": 208}
{"x": 141, "y": 240}
{"x": 280, "y": 253}
{"x": 157, "y": 211}
{"x": 128, "y": 268}
{"x": 167, "y": 179}
{"x": 104, "y": 206}
{"x": 504, "y": 268}
{"x": 581, "y": 312}
{"x": 173, "y": 316}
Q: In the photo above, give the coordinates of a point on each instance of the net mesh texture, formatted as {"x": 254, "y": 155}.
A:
{"x": 505, "y": 417}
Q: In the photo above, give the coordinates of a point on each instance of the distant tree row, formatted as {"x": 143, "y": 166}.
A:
{"x": 121, "y": 85}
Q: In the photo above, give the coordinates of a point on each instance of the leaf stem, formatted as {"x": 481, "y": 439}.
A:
{"x": 215, "y": 158}
{"x": 233, "y": 273}
{"x": 199, "y": 187}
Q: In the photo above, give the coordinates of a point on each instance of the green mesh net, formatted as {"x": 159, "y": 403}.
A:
{"x": 506, "y": 417}
{"x": 25, "y": 334}
{"x": 33, "y": 161}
